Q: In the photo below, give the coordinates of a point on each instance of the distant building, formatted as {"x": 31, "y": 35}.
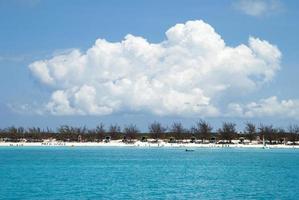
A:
{"x": 79, "y": 138}
{"x": 107, "y": 139}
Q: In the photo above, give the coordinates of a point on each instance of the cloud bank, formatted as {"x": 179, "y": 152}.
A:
{"x": 266, "y": 107}
{"x": 186, "y": 74}
{"x": 258, "y": 7}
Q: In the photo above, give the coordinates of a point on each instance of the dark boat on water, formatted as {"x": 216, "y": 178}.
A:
{"x": 189, "y": 149}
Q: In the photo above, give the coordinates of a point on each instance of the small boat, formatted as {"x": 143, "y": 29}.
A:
{"x": 189, "y": 149}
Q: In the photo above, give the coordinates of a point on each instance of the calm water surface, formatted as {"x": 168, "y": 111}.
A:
{"x": 142, "y": 173}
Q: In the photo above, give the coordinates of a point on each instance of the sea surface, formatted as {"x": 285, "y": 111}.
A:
{"x": 148, "y": 173}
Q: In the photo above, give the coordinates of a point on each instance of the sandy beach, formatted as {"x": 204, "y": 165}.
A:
{"x": 118, "y": 143}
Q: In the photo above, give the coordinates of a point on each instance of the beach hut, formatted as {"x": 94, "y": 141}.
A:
{"x": 107, "y": 139}
{"x": 213, "y": 140}
{"x": 193, "y": 139}
{"x": 258, "y": 140}
{"x": 79, "y": 138}
{"x": 144, "y": 139}
{"x": 241, "y": 140}
{"x": 172, "y": 140}
{"x": 124, "y": 140}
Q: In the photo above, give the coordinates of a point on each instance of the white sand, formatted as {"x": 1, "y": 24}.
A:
{"x": 118, "y": 143}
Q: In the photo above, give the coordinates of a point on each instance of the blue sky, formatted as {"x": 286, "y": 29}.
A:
{"x": 33, "y": 30}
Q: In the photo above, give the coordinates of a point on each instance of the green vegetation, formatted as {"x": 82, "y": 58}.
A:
{"x": 201, "y": 132}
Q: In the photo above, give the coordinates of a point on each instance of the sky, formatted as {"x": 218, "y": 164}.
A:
{"x": 85, "y": 62}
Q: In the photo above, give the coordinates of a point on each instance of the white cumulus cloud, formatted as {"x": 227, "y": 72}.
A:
{"x": 269, "y": 107}
{"x": 258, "y": 7}
{"x": 182, "y": 75}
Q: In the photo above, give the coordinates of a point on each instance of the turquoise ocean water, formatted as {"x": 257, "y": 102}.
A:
{"x": 142, "y": 173}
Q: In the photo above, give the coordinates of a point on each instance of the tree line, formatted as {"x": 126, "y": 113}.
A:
{"x": 202, "y": 131}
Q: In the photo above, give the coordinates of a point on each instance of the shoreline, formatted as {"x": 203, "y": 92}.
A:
{"x": 142, "y": 144}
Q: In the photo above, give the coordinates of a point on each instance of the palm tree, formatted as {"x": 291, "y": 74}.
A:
{"x": 131, "y": 132}
{"x": 178, "y": 130}
{"x": 156, "y": 130}
{"x": 114, "y": 131}
{"x": 100, "y": 132}
{"x": 228, "y": 131}
{"x": 268, "y": 132}
{"x": 293, "y": 133}
{"x": 250, "y": 131}
{"x": 202, "y": 130}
